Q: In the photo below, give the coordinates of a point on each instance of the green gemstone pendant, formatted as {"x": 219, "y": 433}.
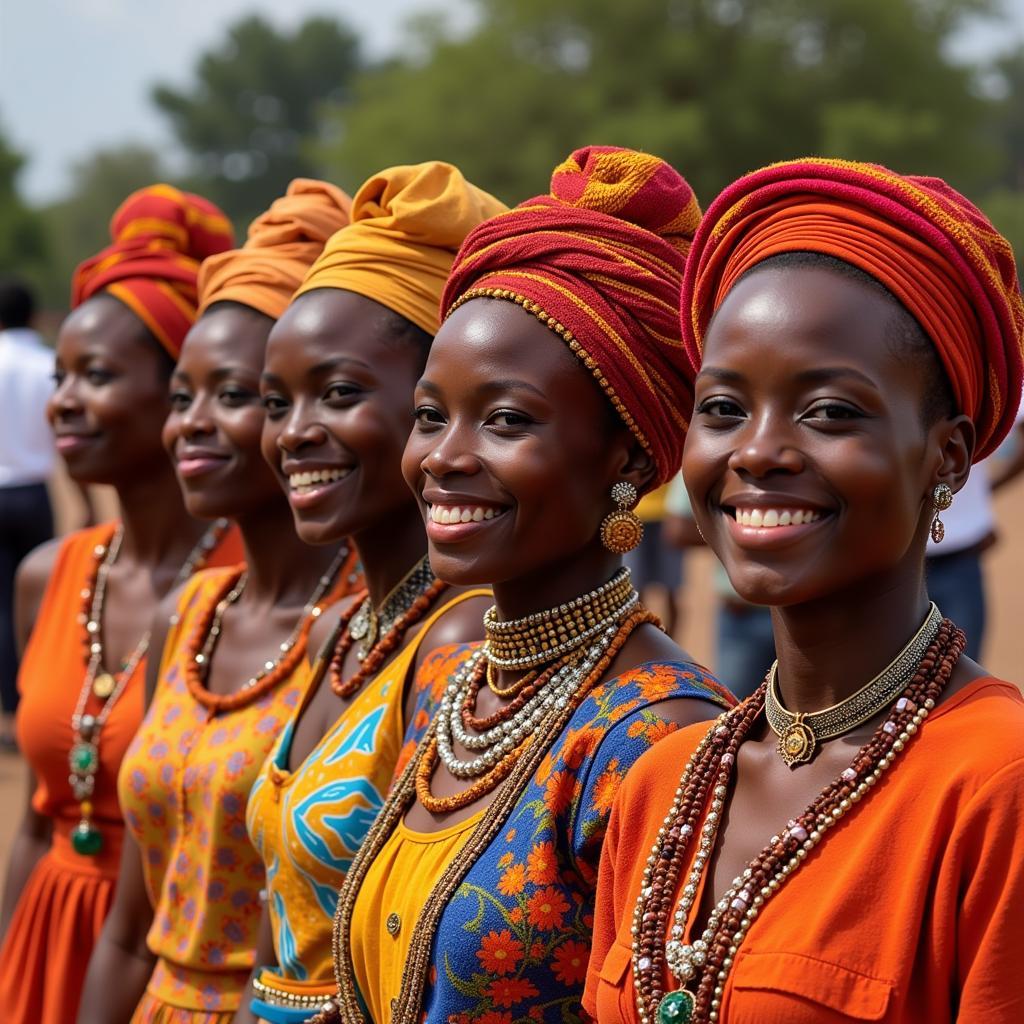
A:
{"x": 86, "y": 839}
{"x": 676, "y": 1008}
{"x": 84, "y": 758}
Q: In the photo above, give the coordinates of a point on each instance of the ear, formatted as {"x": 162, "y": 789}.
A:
{"x": 955, "y": 440}
{"x": 636, "y": 465}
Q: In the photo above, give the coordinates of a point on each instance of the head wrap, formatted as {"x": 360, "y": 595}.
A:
{"x": 280, "y": 248}
{"x": 928, "y": 245}
{"x": 599, "y": 260}
{"x": 407, "y": 224}
{"x": 160, "y": 236}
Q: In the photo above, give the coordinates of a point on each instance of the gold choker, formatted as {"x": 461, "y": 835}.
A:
{"x": 800, "y": 734}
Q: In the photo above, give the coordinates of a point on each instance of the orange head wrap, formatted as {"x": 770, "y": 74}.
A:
{"x": 599, "y": 260}
{"x": 279, "y": 250}
{"x": 160, "y": 236}
{"x": 407, "y": 224}
{"x": 928, "y": 245}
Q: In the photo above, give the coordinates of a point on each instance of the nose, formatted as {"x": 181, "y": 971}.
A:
{"x": 453, "y": 452}
{"x": 197, "y": 419}
{"x": 767, "y": 446}
{"x": 300, "y": 430}
{"x": 65, "y": 400}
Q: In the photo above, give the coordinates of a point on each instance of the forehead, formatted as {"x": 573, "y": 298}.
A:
{"x": 226, "y": 335}
{"x": 104, "y": 325}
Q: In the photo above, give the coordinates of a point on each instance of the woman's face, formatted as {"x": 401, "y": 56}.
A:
{"x": 515, "y": 449}
{"x": 213, "y": 431}
{"x": 337, "y": 386}
{"x": 808, "y": 461}
{"x": 110, "y": 400}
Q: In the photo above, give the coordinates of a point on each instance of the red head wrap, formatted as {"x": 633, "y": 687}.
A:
{"x": 599, "y": 261}
{"x": 279, "y": 250}
{"x": 160, "y": 236}
{"x": 928, "y": 245}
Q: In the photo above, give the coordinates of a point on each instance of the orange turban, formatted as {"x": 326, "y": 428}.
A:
{"x": 930, "y": 247}
{"x": 407, "y": 224}
{"x": 280, "y": 248}
{"x": 160, "y": 236}
{"x": 600, "y": 260}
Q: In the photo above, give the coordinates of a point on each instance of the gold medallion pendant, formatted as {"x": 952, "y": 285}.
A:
{"x": 797, "y": 742}
{"x": 103, "y": 685}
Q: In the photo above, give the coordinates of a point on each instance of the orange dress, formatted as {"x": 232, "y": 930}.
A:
{"x": 908, "y": 912}
{"x": 62, "y": 908}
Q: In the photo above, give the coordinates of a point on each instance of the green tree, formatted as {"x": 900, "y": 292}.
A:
{"x": 715, "y": 86}
{"x": 22, "y": 237}
{"x": 247, "y": 119}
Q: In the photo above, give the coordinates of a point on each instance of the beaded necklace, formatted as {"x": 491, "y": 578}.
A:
{"x": 209, "y": 626}
{"x": 346, "y": 1006}
{"x": 84, "y": 756}
{"x": 704, "y": 785}
{"x": 407, "y": 604}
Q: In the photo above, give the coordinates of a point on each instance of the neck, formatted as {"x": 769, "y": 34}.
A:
{"x": 157, "y": 528}
{"x": 556, "y": 583}
{"x": 389, "y": 549}
{"x": 830, "y": 648}
{"x": 281, "y": 569}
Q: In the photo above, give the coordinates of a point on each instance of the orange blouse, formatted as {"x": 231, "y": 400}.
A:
{"x": 909, "y": 912}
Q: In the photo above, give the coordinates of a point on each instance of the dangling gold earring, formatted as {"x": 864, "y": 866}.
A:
{"x": 942, "y": 498}
{"x": 622, "y": 529}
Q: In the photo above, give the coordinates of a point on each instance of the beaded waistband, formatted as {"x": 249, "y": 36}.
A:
{"x": 274, "y": 990}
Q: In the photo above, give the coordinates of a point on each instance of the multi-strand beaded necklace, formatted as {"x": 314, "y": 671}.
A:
{"x": 105, "y": 686}
{"x": 512, "y": 741}
{"x": 209, "y": 626}
{"x": 702, "y": 968}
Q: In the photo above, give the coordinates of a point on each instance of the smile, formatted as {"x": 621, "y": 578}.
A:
{"x": 446, "y": 515}
{"x": 303, "y": 483}
{"x": 771, "y": 518}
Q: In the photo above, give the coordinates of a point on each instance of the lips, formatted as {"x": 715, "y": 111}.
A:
{"x": 196, "y": 462}
{"x": 310, "y": 480}
{"x": 771, "y": 518}
{"x": 68, "y": 443}
{"x": 450, "y": 514}
{"x": 448, "y": 522}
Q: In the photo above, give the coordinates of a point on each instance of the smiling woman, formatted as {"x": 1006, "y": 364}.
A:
{"x": 554, "y": 383}
{"x": 856, "y": 342}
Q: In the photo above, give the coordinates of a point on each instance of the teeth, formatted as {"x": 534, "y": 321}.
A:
{"x": 767, "y": 519}
{"x": 298, "y": 481}
{"x": 448, "y": 514}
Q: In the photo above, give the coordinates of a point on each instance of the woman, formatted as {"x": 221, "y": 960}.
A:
{"x": 88, "y": 599}
{"x": 858, "y": 340}
{"x": 181, "y": 938}
{"x": 341, "y": 367}
{"x": 550, "y": 397}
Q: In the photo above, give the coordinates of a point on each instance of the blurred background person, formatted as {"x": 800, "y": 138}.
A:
{"x": 656, "y": 565}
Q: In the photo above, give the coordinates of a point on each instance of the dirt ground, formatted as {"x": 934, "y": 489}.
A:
{"x": 1005, "y": 646}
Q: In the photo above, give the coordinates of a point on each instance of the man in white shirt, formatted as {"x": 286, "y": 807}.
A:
{"x": 26, "y": 463}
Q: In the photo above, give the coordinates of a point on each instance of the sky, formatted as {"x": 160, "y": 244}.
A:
{"x": 75, "y": 75}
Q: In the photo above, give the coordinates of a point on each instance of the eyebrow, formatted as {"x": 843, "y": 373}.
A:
{"x": 816, "y": 375}
{"x": 325, "y": 367}
{"x": 221, "y": 373}
{"x": 490, "y": 386}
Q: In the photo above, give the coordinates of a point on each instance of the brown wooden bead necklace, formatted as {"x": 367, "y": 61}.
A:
{"x": 701, "y": 793}
{"x": 418, "y": 592}
{"x": 346, "y": 1006}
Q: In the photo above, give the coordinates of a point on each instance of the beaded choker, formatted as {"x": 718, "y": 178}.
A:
{"x": 800, "y": 734}
{"x": 543, "y": 637}
{"x": 84, "y": 756}
{"x": 701, "y": 968}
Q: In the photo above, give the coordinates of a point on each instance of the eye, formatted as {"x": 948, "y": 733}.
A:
{"x": 341, "y": 391}
{"x": 58, "y": 377}
{"x": 428, "y": 416}
{"x": 721, "y": 408}
{"x": 235, "y": 396}
{"x": 832, "y": 409}
{"x": 275, "y": 405}
{"x": 98, "y": 377}
{"x": 180, "y": 400}
{"x": 509, "y": 419}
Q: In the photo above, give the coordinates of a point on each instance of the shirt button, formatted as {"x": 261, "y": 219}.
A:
{"x": 393, "y": 924}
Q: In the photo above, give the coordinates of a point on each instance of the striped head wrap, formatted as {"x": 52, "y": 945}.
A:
{"x": 279, "y": 250}
{"x": 160, "y": 235}
{"x": 407, "y": 224}
{"x": 928, "y": 245}
{"x": 599, "y": 260}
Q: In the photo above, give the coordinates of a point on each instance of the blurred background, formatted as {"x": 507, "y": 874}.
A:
{"x": 233, "y": 98}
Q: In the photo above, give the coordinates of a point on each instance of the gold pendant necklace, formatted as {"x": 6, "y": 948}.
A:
{"x": 800, "y": 733}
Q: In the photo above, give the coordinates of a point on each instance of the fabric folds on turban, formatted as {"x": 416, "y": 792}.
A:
{"x": 928, "y": 245}
{"x": 599, "y": 260}
{"x": 279, "y": 250}
{"x": 159, "y": 237}
{"x": 407, "y": 224}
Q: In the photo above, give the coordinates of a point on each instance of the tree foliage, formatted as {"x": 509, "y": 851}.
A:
{"x": 22, "y": 238}
{"x": 248, "y": 117}
{"x": 715, "y": 86}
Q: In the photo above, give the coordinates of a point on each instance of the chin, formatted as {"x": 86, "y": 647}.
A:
{"x": 460, "y": 572}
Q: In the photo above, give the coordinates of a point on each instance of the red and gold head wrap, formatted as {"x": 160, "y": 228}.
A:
{"x": 279, "y": 250}
{"x": 599, "y": 260}
{"x": 160, "y": 236}
{"x": 407, "y": 224}
{"x": 928, "y": 245}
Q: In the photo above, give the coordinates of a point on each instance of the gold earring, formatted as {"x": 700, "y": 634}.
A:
{"x": 942, "y": 498}
{"x": 622, "y": 529}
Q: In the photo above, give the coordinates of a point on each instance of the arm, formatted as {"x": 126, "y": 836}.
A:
{"x": 30, "y": 843}
{"x": 121, "y": 963}
{"x": 265, "y": 956}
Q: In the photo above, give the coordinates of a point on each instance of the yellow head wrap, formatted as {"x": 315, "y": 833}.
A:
{"x": 407, "y": 225}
